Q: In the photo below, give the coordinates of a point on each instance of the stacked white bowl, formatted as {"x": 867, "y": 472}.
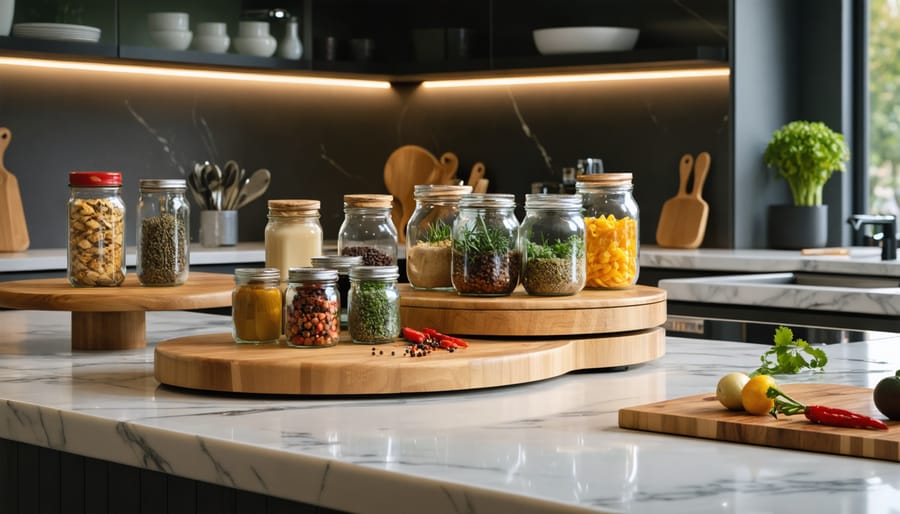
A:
{"x": 169, "y": 30}
{"x": 254, "y": 39}
{"x": 212, "y": 36}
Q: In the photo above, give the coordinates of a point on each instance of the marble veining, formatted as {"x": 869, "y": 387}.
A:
{"x": 526, "y": 129}
{"x": 547, "y": 447}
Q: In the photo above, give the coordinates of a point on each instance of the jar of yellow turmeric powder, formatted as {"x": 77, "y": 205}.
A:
{"x": 256, "y": 305}
{"x": 611, "y": 230}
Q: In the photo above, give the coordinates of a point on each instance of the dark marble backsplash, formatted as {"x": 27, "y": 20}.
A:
{"x": 323, "y": 142}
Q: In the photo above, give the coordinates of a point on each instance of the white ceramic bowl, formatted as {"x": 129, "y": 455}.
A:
{"x": 576, "y": 40}
{"x": 211, "y": 28}
{"x": 168, "y": 21}
{"x": 212, "y": 44}
{"x": 258, "y": 46}
{"x": 253, "y": 29}
{"x": 171, "y": 39}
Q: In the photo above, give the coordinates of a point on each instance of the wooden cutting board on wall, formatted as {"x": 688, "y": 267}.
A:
{"x": 703, "y": 416}
{"x": 682, "y": 222}
{"x": 13, "y": 230}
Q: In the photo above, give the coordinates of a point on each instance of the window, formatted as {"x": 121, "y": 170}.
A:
{"x": 884, "y": 107}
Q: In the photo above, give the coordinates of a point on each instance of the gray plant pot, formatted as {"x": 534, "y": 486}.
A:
{"x": 793, "y": 227}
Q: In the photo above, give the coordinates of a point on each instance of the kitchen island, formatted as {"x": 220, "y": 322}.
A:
{"x": 552, "y": 446}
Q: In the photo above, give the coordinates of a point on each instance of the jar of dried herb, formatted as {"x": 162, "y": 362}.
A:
{"x": 428, "y": 235}
{"x": 374, "y": 304}
{"x": 342, "y": 264}
{"x": 96, "y": 249}
{"x": 256, "y": 305}
{"x": 163, "y": 234}
{"x": 551, "y": 240}
{"x": 611, "y": 218}
{"x": 485, "y": 256}
{"x": 312, "y": 308}
{"x": 368, "y": 230}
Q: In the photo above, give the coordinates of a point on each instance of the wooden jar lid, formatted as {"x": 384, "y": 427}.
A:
{"x": 368, "y": 201}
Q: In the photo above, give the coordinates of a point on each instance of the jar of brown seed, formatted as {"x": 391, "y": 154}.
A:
{"x": 368, "y": 230}
{"x": 96, "y": 249}
{"x": 163, "y": 234}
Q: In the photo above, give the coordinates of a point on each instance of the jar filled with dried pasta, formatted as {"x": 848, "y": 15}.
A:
{"x": 611, "y": 218}
{"x": 96, "y": 249}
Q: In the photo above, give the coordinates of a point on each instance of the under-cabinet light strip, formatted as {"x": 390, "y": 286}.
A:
{"x": 190, "y": 73}
{"x": 584, "y": 77}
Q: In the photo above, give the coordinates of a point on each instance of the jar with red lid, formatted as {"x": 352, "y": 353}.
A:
{"x": 96, "y": 248}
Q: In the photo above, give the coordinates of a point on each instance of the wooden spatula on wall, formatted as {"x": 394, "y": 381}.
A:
{"x": 682, "y": 222}
{"x": 13, "y": 230}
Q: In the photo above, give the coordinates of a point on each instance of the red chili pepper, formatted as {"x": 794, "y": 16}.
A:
{"x": 444, "y": 337}
{"x": 841, "y": 418}
{"x": 411, "y": 335}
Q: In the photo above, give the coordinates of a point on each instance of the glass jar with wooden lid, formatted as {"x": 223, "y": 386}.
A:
{"x": 611, "y": 218}
{"x": 428, "y": 235}
{"x": 293, "y": 234}
{"x": 368, "y": 230}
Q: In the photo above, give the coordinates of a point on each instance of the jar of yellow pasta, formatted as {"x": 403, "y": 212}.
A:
{"x": 611, "y": 230}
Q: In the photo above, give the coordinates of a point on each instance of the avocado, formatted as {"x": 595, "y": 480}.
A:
{"x": 887, "y": 396}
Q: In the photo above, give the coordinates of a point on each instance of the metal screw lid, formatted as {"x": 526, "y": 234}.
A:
{"x": 374, "y": 273}
{"x": 487, "y": 200}
{"x": 553, "y": 201}
{"x": 312, "y": 275}
{"x": 342, "y": 263}
{"x": 161, "y": 184}
{"x": 257, "y": 275}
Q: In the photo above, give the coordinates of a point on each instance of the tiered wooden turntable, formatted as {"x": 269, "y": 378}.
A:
{"x": 512, "y": 340}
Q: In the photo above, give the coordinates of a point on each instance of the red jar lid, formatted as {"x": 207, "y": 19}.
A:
{"x": 95, "y": 178}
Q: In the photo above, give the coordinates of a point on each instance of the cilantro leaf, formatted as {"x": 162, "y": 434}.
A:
{"x": 788, "y": 355}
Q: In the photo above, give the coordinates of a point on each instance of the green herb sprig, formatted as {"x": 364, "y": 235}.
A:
{"x": 437, "y": 232}
{"x": 787, "y": 355}
{"x": 573, "y": 245}
{"x": 482, "y": 239}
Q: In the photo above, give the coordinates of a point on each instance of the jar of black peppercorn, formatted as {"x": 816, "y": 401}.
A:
{"x": 368, "y": 230}
{"x": 163, "y": 234}
{"x": 374, "y": 305}
{"x": 312, "y": 308}
{"x": 486, "y": 259}
{"x": 342, "y": 264}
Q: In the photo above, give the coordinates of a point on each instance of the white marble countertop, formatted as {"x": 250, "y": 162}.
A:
{"x": 548, "y": 447}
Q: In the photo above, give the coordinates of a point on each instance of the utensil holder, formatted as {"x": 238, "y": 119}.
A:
{"x": 218, "y": 228}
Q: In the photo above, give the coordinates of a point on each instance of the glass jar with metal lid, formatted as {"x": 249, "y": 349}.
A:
{"x": 611, "y": 219}
{"x": 374, "y": 304}
{"x": 428, "y": 235}
{"x": 551, "y": 240}
{"x": 342, "y": 264}
{"x": 368, "y": 230}
{"x": 486, "y": 260}
{"x": 96, "y": 248}
{"x": 163, "y": 233}
{"x": 312, "y": 308}
{"x": 293, "y": 234}
{"x": 256, "y": 305}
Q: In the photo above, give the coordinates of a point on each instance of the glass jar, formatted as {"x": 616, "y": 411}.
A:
{"x": 374, "y": 304}
{"x": 341, "y": 263}
{"x": 293, "y": 234}
{"x": 256, "y": 305}
{"x": 611, "y": 219}
{"x": 551, "y": 240}
{"x": 312, "y": 308}
{"x": 486, "y": 260}
{"x": 368, "y": 231}
{"x": 163, "y": 233}
{"x": 428, "y": 235}
{"x": 96, "y": 249}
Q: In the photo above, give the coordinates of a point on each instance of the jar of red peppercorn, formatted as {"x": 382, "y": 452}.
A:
{"x": 312, "y": 308}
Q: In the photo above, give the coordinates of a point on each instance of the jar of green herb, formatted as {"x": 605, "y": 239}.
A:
{"x": 374, "y": 304}
{"x": 428, "y": 235}
{"x": 485, "y": 257}
{"x": 163, "y": 236}
{"x": 551, "y": 240}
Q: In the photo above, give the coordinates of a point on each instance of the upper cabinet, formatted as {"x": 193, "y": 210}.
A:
{"x": 400, "y": 39}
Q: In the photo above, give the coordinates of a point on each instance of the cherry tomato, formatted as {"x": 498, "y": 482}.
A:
{"x": 753, "y": 395}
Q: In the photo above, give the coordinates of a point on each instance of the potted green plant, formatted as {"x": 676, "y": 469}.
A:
{"x": 805, "y": 154}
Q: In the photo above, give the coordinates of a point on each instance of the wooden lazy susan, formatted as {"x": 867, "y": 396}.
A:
{"x": 114, "y": 318}
{"x": 512, "y": 340}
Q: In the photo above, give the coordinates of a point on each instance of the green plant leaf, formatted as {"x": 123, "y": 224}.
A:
{"x": 787, "y": 355}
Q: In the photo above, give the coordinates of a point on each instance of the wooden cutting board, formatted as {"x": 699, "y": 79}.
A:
{"x": 702, "y": 416}
{"x": 13, "y": 230}
{"x": 214, "y": 362}
{"x": 407, "y": 167}
{"x": 591, "y": 311}
{"x": 114, "y": 318}
{"x": 682, "y": 222}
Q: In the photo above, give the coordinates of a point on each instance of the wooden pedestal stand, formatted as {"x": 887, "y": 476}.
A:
{"x": 114, "y": 318}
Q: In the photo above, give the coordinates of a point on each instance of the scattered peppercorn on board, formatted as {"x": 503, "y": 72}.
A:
{"x": 591, "y": 311}
{"x": 114, "y": 318}
{"x": 213, "y": 362}
{"x": 704, "y": 417}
